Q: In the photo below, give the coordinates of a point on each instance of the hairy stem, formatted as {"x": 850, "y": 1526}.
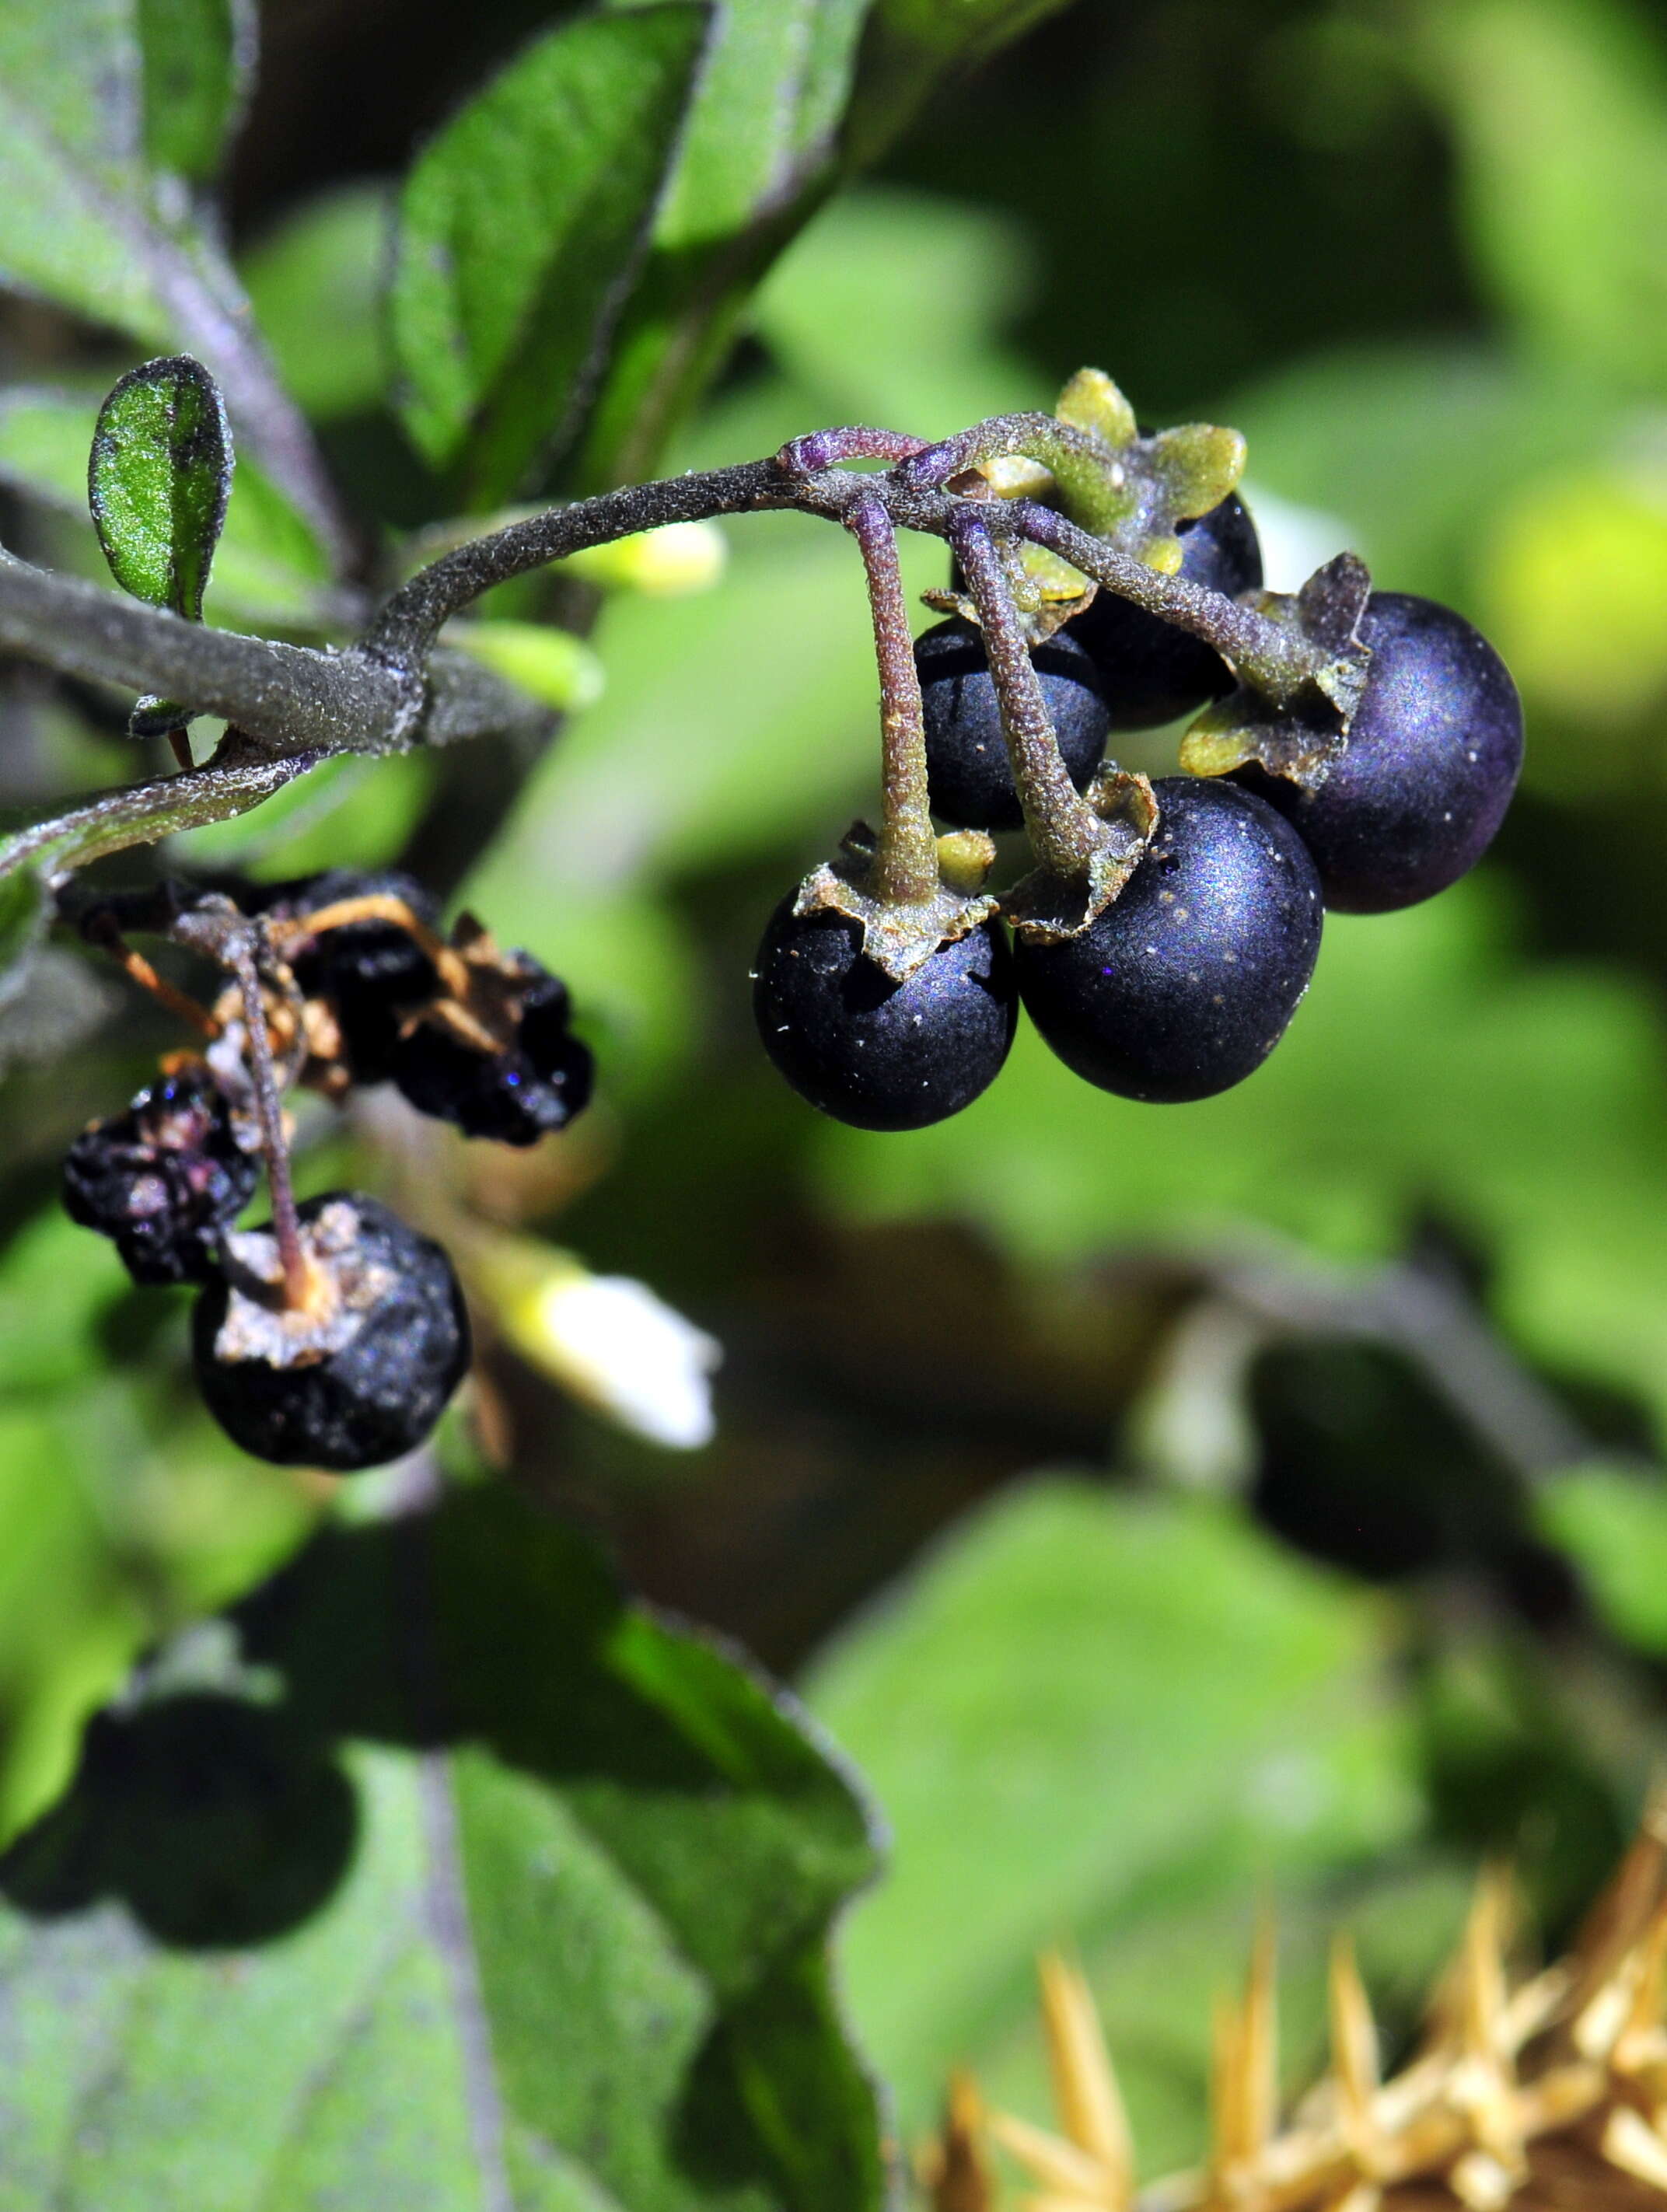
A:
{"x": 905, "y": 870}
{"x": 1063, "y": 829}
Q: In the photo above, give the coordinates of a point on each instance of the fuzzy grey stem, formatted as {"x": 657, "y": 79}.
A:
{"x": 906, "y": 860}
{"x": 1274, "y": 656}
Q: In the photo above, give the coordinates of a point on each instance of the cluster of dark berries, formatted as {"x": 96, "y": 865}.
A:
{"x": 1184, "y": 983}
{"x": 335, "y": 1336}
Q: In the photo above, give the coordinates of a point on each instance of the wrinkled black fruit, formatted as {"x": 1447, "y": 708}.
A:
{"x": 164, "y": 1180}
{"x": 966, "y": 756}
{"x": 513, "y": 1097}
{"x": 367, "y": 1382}
{"x": 1432, "y": 757}
{"x": 369, "y": 971}
{"x": 1150, "y": 672}
{"x": 876, "y": 1053}
{"x": 1185, "y": 983}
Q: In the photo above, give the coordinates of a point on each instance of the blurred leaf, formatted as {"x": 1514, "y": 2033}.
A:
{"x": 350, "y": 811}
{"x": 549, "y": 663}
{"x": 159, "y": 480}
{"x": 1087, "y": 1707}
{"x": 888, "y": 310}
{"x": 1574, "y": 571}
{"x": 518, "y": 227}
{"x": 757, "y": 152}
{"x": 269, "y": 569}
{"x": 1426, "y": 1071}
{"x": 198, "y": 60}
{"x": 485, "y": 1888}
{"x": 1560, "y": 107}
{"x": 912, "y": 45}
{"x": 312, "y": 283}
{"x": 22, "y": 925}
{"x": 1612, "y": 1521}
{"x": 88, "y": 226}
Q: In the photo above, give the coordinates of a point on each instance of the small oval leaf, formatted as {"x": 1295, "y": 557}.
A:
{"x": 159, "y": 479}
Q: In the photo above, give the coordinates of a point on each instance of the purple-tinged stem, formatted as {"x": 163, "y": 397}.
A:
{"x": 850, "y": 441}
{"x": 905, "y": 870}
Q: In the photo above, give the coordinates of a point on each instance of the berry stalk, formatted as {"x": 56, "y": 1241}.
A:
{"x": 905, "y": 866}
{"x": 1064, "y": 831}
{"x": 286, "y": 1224}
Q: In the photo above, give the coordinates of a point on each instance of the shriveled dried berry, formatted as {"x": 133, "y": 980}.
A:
{"x": 165, "y": 1179}
{"x": 515, "y": 1095}
{"x": 372, "y": 972}
{"x": 361, "y": 1373}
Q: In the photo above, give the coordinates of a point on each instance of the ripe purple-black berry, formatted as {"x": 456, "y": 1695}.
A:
{"x": 515, "y": 1095}
{"x": 966, "y": 756}
{"x": 876, "y": 1053}
{"x": 1185, "y": 983}
{"x": 1151, "y": 671}
{"x": 1434, "y": 753}
{"x": 165, "y": 1179}
{"x": 358, "y": 1376}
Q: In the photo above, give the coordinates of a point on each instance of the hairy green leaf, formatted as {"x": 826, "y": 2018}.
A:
{"x": 269, "y": 569}
{"x": 143, "y": 813}
{"x": 315, "y": 282}
{"x": 1612, "y": 1521}
{"x": 485, "y": 1888}
{"x": 159, "y": 479}
{"x": 757, "y": 153}
{"x": 518, "y": 228}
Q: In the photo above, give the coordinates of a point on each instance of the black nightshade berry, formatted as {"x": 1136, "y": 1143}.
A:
{"x": 1434, "y": 753}
{"x": 966, "y": 756}
{"x": 515, "y": 1096}
{"x": 365, "y": 1372}
{"x": 876, "y": 1053}
{"x": 165, "y": 1179}
{"x": 1185, "y": 983}
{"x": 369, "y": 971}
{"x": 1150, "y": 672}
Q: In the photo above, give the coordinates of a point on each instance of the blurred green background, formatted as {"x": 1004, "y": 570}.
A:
{"x": 1153, "y": 1502}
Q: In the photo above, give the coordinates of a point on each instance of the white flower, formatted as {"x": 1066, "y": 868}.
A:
{"x": 613, "y": 1343}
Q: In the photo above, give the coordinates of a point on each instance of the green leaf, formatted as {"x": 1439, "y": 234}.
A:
{"x": 758, "y": 152}
{"x": 159, "y": 479}
{"x": 910, "y": 46}
{"x": 22, "y": 925}
{"x": 1612, "y": 1521}
{"x": 519, "y": 227}
{"x": 315, "y": 284}
{"x": 88, "y": 223}
{"x": 198, "y": 56}
{"x": 1559, "y": 110}
{"x": 270, "y": 570}
{"x": 1088, "y": 1717}
{"x": 485, "y": 1888}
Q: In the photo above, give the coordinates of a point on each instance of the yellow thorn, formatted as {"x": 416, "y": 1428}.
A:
{"x": 1624, "y": 1906}
{"x": 1482, "y": 1990}
{"x": 1353, "y": 2050}
{"x": 1631, "y": 2144}
{"x": 1650, "y": 1971}
{"x": 1091, "y": 2106}
{"x": 1059, "y": 2165}
{"x": 1244, "y": 2085}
